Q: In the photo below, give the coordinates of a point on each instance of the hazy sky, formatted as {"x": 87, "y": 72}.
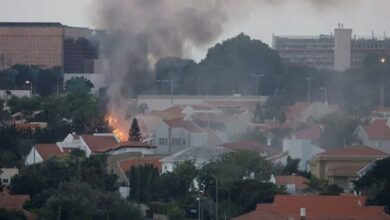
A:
{"x": 293, "y": 17}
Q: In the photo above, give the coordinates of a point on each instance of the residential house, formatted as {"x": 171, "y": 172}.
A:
{"x": 301, "y": 144}
{"x": 306, "y": 111}
{"x": 261, "y": 149}
{"x": 15, "y": 203}
{"x": 293, "y": 183}
{"x": 340, "y": 166}
{"x": 6, "y": 175}
{"x": 181, "y": 134}
{"x": 381, "y": 112}
{"x": 42, "y": 152}
{"x": 199, "y": 155}
{"x": 97, "y": 143}
{"x": 129, "y": 146}
{"x": 376, "y": 134}
{"x": 122, "y": 163}
{"x": 291, "y": 207}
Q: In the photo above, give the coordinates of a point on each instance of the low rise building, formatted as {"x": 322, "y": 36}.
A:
{"x": 288, "y": 207}
{"x": 340, "y": 166}
{"x": 6, "y": 175}
{"x": 294, "y": 184}
{"x": 376, "y": 134}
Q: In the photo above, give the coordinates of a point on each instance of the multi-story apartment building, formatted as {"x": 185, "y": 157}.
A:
{"x": 48, "y": 45}
{"x": 38, "y": 44}
{"x": 338, "y": 51}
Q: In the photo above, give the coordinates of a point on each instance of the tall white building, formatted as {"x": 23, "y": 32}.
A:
{"x": 342, "y": 49}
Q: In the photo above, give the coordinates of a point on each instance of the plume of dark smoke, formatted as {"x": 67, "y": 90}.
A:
{"x": 139, "y": 32}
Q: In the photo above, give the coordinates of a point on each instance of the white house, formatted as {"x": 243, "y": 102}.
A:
{"x": 304, "y": 111}
{"x": 376, "y": 134}
{"x": 6, "y": 175}
{"x": 199, "y": 155}
{"x": 297, "y": 149}
{"x": 42, "y": 152}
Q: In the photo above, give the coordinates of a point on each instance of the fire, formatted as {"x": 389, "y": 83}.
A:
{"x": 113, "y": 123}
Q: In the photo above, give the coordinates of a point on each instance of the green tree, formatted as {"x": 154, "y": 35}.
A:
{"x": 78, "y": 85}
{"x": 175, "y": 213}
{"x": 291, "y": 166}
{"x": 11, "y": 215}
{"x": 78, "y": 200}
{"x": 375, "y": 183}
{"x": 135, "y": 132}
{"x": 332, "y": 189}
{"x": 142, "y": 179}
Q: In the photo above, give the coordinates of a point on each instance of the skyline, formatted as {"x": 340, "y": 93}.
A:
{"x": 298, "y": 18}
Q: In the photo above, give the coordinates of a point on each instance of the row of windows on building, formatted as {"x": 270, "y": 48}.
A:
{"x": 175, "y": 141}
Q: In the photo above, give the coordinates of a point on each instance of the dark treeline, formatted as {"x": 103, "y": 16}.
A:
{"x": 229, "y": 68}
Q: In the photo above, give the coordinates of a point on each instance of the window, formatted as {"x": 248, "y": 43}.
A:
{"x": 379, "y": 144}
{"x": 5, "y": 181}
{"x": 163, "y": 141}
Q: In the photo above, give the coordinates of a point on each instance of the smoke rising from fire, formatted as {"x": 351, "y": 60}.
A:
{"x": 139, "y": 32}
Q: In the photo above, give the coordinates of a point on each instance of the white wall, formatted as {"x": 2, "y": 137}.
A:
{"x": 17, "y": 93}
{"x": 342, "y": 50}
{"x": 33, "y": 157}
{"x": 301, "y": 149}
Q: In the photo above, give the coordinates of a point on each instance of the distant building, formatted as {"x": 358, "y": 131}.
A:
{"x": 339, "y": 51}
{"x": 199, "y": 155}
{"x": 6, "y": 175}
{"x": 340, "y": 166}
{"x": 288, "y": 207}
{"x": 38, "y": 44}
{"x": 376, "y": 134}
{"x": 306, "y": 111}
{"x": 294, "y": 184}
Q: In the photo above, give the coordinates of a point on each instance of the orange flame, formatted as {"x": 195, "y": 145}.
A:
{"x": 113, "y": 123}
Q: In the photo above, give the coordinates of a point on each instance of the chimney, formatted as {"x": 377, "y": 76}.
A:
{"x": 303, "y": 213}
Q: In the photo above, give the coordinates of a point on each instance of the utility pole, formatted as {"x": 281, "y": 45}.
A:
{"x": 171, "y": 91}
{"x": 257, "y": 77}
{"x": 308, "y": 89}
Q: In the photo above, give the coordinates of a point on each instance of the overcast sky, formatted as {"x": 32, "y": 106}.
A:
{"x": 291, "y": 18}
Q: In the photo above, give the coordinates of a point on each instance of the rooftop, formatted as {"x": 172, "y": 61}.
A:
{"x": 311, "y": 133}
{"x": 99, "y": 144}
{"x": 30, "y": 24}
{"x": 188, "y": 125}
{"x": 378, "y": 129}
{"x": 318, "y": 207}
{"x": 49, "y": 150}
{"x": 300, "y": 182}
{"x": 354, "y": 151}
{"x": 251, "y": 146}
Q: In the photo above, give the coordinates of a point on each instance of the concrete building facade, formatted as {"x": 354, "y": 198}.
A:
{"x": 39, "y": 44}
{"x": 338, "y": 51}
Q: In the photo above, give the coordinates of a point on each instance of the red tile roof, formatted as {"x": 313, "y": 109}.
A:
{"x": 345, "y": 170}
{"x": 378, "y": 129}
{"x": 354, "y": 151}
{"x": 125, "y": 165}
{"x": 382, "y": 109}
{"x": 320, "y": 207}
{"x": 248, "y": 105}
{"x": 188, "y": 125}
{"x": 251, "y": 146}
{"x": 13, "y": 201}
{"x": 22, "y": 126}
{"x": 311, "y": 133}
{"x": 300, "y": 182}
{"x": 294, "y": 110}
{"x": 129, "y": 144}
{"x": 49, "y": 150}
{"x": 99, "y": 144}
